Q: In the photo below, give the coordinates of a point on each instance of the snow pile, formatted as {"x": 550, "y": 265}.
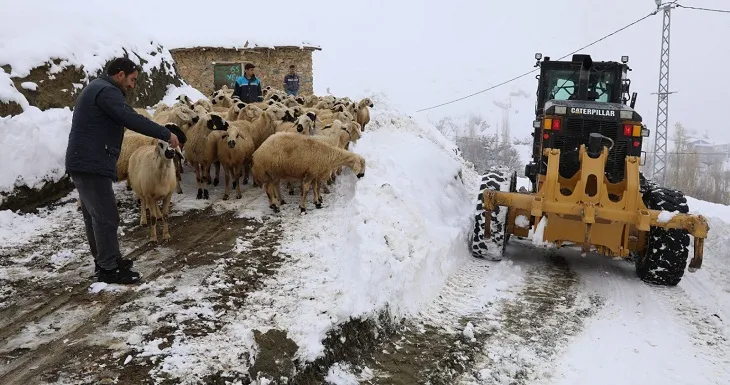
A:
{"x": 33, "y": 147}
{"x": 388, "y": 241}
{"x": 174, "y": 91}
{"x": 8, "y": 92}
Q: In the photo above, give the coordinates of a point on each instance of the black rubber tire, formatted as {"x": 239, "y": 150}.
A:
{"x": 665, "y": 258}
{"x": 496, "y": 178}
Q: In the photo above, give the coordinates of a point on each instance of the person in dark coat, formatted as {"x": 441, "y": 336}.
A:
{"x": 248, "y": 86}
{"x": 97, "y": 129}
{"x": 291, "y": 82}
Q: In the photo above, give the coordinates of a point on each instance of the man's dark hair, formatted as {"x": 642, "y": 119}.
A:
{"x": 122, "y": 64}
{"x": 291, "y": 67}
{"x": 249, "y": 66}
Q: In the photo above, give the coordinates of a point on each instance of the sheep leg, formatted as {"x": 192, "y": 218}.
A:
{"x": 305, "y": 193}
{"x": 278, "y": 193}
{"x": 143, "y": 212}
{"x": 217, "y": 173}
{"x": 290, "y": 186}
{"x": 165, "y": 212}
{"x": 317, "y": 196}
{"x": 246, "y": 172}
{"x": 198, "y": 180}
{"x": 206, "y": 180}
{"x": 227, "y": 173}
{"x": 236, "y": 176}
{"x": 271, "y": 192}
{"x": 153, "y": 216}
{"x": 178, "y": 171}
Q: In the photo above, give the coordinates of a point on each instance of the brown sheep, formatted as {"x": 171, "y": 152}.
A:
{"x": 288, "y": 156}
{"x": 197, "y": 153}
{"x": 363, "y": 112}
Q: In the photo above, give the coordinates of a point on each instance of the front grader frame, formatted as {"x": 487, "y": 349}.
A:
{"x": 581, "y": 210}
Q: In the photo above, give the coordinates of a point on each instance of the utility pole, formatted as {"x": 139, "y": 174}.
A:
{"x": 659, "y": 171}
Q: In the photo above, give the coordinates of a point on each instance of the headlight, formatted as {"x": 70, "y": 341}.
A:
{"x": 626, "y": 114}
{"x": 645, "y": 132}
{"x": 561, "y": 110}
{"x": 536, "y": 124}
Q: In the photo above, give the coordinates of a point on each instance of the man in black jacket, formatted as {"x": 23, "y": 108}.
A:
{"x": 94, "y": 143}
{"x": 248, "y": 86}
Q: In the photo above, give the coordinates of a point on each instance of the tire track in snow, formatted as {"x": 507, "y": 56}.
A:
{"x": 534, "y": 327}
{"x": 492, "y": 323}
{"x": 642, "y": 334}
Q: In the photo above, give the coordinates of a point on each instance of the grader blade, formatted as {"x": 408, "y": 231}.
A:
{"x": 596, "y": 207}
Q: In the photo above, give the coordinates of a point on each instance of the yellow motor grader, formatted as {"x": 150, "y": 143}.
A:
{"x": 586, "y": 187}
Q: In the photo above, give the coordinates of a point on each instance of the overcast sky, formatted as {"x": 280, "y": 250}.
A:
{"x": 423, "y": 53}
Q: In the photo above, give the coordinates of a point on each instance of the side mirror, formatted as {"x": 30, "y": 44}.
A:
{"x": 642, "y": 158}
{"x": 633, "y": 99}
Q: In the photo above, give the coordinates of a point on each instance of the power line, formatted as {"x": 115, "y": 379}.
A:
{"x": 527, "y": 73}
{"x": 704, "y": 9}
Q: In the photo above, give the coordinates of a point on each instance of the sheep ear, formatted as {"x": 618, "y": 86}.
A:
{"x": 224, "y": 136}
{"x": 161, "y": 145}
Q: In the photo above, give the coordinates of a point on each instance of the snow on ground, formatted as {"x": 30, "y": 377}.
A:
{"x": 34, "y": 147}
{"x": 645, "y": 334}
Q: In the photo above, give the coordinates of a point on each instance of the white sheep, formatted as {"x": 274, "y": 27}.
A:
{"x": 234, "y": 150}
{"x": 152, "y": 178}
{"x": 288, "y": 156}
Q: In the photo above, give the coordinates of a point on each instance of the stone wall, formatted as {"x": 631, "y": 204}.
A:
{"x": 196, "y": 65}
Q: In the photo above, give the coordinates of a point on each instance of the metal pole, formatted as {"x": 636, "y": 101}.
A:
{"x": 659, "y": 171}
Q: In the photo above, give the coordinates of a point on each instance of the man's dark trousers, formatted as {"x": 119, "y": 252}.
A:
{"x": 101, "y": 218}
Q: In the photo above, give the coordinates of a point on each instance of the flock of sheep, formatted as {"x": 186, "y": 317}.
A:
{"x": 303, "y": 139}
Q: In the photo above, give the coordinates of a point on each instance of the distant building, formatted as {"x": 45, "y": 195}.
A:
{"x": 709, "y": 153}
{"x": 209, "y": 68}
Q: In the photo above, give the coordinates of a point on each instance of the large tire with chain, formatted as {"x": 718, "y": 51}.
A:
{"x": 667, "y": 250}
{"x": 499, "y": 179}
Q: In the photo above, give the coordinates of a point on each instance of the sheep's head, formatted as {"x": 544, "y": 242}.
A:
{"x": 216, "y": 122}
{"x": 288, "y": 116}
{"x": 184, "y": 99}
{"x": 312, "y": 116}
{"x": 178, "y": 132}
{"x": 366, "y": 102}
{"x": 232, "y": 134}
{"x": 163, "y": 149}
{"x": 358, "y": 165}
{"x": 303, "y": 125}
{"x": 300, "y": 100}
{"x": 275, "y": 98}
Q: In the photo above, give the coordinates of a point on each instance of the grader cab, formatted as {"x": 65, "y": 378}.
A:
{"x": 586, "y": 188}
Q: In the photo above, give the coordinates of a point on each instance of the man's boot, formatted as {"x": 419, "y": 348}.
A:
{"x": 120, "y": 275}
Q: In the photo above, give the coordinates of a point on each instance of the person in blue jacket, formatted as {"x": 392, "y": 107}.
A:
{"x": 97, "y": 128}
{"x": 291, "y": 82}
{"x": 248, "y": 86}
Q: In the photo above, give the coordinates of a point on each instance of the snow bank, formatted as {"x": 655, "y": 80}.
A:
{"x": 174, "y": 91}
{"x": 33, "y": 147}
{"x": 8, "y": 92}
{"x": 387, "y": 241}
{"x": 709, "y": 209}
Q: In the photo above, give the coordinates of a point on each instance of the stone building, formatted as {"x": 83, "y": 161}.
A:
{"x": 208, "y": 68}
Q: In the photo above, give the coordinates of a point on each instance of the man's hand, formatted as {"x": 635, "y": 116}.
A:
{"x": 174, "y": 142}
